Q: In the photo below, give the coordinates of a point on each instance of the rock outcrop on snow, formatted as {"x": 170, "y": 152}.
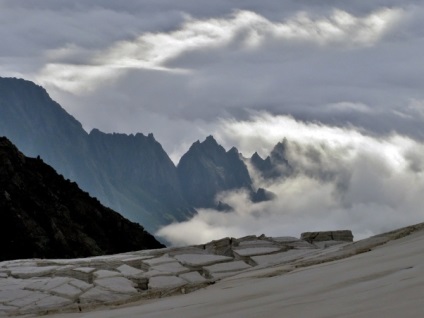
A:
{"x": 312, "y": 237}
{"x": 46, "y": 286}
{"x": 42, "y": 286}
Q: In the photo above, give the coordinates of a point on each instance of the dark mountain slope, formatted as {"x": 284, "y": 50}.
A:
{"x": 39, "y": 126}
{"x": 137, "y": 166}
{"x": 42, "y": 215}
{"x": 129, "y": 173}
{"x": 132, "y": 174}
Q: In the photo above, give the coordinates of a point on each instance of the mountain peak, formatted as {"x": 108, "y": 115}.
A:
{"x": 279, "y": 153}
{"x": 207, "y": 169}
{"x": 210, "y": 140}
{"x": 256, "y": 157}
{"x": 233, "y": 150}
{"x": 282, "y": 145}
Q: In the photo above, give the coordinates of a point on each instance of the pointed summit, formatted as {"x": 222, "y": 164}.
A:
{"x": 256, "y": 157}
{"x": 276, "y": 164}
{"x": 278, "y": 154}
{"x": 260, "y": 164}
{"x": 233, "y": 151}
{"x": 210, "y": 140}
{"x": 207, "y": 169}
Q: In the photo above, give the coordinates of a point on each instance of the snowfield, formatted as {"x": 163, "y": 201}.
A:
{"x": 382, "y": 276}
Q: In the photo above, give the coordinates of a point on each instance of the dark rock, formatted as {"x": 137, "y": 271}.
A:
{"x": 224, "y": 207}
{"x": 261, "y": 164}
{"x": 207, "y": 169}
{"x": 343, "y": 235}
{"x": 42, "y": 215}
{"x": 262, "y": 195}
{"x": 276, "y": 165}
{"x": 132, "y": 174}
{"x": 220, "y": 247}
{"x": 139, "y": 167}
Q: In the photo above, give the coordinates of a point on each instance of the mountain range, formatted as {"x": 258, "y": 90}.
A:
{"x": 131, "y": 174}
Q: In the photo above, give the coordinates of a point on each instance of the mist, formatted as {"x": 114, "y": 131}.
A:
{"x": 342, "y": 179}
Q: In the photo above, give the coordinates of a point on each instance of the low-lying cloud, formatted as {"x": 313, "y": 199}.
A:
{"x": 342, "y": 179}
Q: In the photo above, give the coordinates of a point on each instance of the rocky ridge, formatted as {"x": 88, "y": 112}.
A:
{"x": 274, "y": 166}
{"x": 47, "y": 286}
{"x": 207, "y": 169}
{"x": 128, "y": 173}
{"x": 44, "y": 215}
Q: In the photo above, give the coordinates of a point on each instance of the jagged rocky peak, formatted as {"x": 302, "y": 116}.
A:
{"x": 45, "y": 216}
{"x": 275, "y": 165}
{"x": 234, "y": 151}
{"x": 209, "y": 147}
{"x": 207, "y": 169}
{"x": 278, "y": 154}
{"x": 260, "y": 164}
{"x": 256, "y": 157}
{"x": 139, "y": 161}
{"x": 210, "y": 140}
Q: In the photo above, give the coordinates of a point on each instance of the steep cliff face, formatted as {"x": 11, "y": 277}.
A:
{"x": 137, "y": 166}
{"x": 207, "y": 169}
{"x": 129, "y": 173}
{"x": 132, "y": 174}
{"x": 42, "y": 215}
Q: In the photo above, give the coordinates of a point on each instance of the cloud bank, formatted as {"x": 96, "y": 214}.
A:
{"x": 343, "y": 179}
{"x": 139, "y": 66}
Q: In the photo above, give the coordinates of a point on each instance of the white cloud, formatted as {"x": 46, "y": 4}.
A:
{"x": 343, "y": 179}
{"x": 153, "y": 50}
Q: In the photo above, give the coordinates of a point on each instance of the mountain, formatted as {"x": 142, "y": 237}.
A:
{"x": 131, "y": 174}
{"x": 207, "y": 169}
{"x": 274, "y": 166}
{"x": 139, "y": 178}
{"x": 45, "y": 216}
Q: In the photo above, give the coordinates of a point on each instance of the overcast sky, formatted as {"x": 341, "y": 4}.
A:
{"x": 186, "y": 69}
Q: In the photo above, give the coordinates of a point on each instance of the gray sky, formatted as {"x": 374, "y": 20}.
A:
{"x": 248, "y": 72}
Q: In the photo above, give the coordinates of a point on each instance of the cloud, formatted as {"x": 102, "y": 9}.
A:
{"x": 153, "y": 50}
{"x": 147, "y": 68}
{"x": 343, "y": 179}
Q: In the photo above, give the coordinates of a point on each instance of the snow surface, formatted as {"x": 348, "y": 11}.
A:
{"x": 381, "y": 276}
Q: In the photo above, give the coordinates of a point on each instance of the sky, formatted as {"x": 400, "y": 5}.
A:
{"x": 324, "y": 73}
